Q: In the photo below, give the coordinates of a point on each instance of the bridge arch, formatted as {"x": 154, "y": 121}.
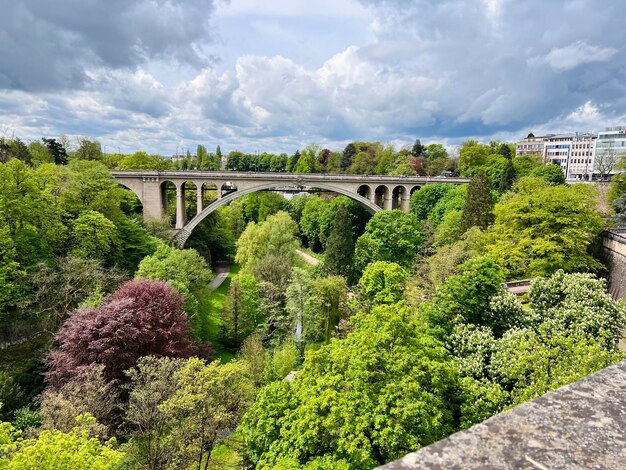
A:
{"x": 182, "y": 236}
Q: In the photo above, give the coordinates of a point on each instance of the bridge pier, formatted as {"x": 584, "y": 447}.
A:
{"x": 404, "y": 203}
{"x": 388, "y": 200}
{"x": 199, "y": 198}
{"x": 181, "y": 212}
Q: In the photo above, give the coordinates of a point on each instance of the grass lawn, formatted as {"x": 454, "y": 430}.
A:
{"x": 217, "y": 298}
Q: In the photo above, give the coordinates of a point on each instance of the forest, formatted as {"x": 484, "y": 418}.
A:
{"x": 339, "y": 339}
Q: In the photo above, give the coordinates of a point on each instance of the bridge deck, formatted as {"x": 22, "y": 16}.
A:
{"x": 264, "y": 176}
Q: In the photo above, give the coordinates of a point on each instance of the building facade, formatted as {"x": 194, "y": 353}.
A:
{"x": 572, "y": 152}
{"x": 531, "y": 145}
{"x": 610, "y": 147}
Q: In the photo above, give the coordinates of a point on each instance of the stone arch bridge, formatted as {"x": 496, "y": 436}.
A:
{"x": 372, "y": 192}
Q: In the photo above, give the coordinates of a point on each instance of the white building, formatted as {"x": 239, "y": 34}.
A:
{"x": 610, "y": 147}
{"x": 572, "y": 152}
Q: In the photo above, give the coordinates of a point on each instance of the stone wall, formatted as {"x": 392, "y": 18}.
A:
{"x": 579, "y": 426}
{"x": 614, "y": 258}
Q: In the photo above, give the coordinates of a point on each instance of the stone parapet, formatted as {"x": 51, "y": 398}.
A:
{"x": 579, "y": 426}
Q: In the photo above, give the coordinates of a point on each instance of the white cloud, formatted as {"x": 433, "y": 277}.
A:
{"x": 576, "y": 54}
{"x": 585, "y": 114}
{"x": 292, "y": 8}
{"x": 444, "y": 70}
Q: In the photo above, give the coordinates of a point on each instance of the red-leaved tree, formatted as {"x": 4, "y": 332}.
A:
{"x": 140, "y": 318}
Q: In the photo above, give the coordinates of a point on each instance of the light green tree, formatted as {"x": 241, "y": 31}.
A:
{"x": 153, "y": 381}
{"x": 392, "y": 236}
{"x": 209, "y": 400}
{"x": 540, "y": 228}
{"x": 93, "y": 236}
{"x": 190, "y": 274}
{"x": 423, "y": 200}
{"x": 364, "y": 400}
{"x": 328, "y": 306}
{"x": 53, "y": 450}
{"x": 276, "y": 236}
{"x": 310, "y": 221}
{"x": 383, "y": 282}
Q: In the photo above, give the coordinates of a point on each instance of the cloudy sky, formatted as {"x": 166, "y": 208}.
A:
{"x": 277, "y": 75}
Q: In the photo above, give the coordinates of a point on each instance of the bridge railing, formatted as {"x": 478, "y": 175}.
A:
{"x": 226, "y": 175}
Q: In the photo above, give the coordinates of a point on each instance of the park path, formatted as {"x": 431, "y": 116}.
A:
{"x": 308, "y": 258}
{"x": 222, "y": 273}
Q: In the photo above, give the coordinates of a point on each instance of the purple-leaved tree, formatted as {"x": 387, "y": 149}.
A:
{"x": 140, "y": 318}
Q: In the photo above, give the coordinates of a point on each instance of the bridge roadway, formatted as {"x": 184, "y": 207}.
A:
{"x": 374, "y": 192}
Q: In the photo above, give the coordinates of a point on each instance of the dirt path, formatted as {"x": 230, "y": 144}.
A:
{"x": 222, "y": 274}
{"x": 308, "y": 258}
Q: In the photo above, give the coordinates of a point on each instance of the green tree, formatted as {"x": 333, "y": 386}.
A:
{"x": 310, "y": 221}
{"x": 241, "y": 313}
{"x": 209, "y": 400}
{"x": 472, "y": 155}
{"x": 15, "y": 148}
{"x": 57, "y": 150}
{"x": 153, "y": 381}
{"x": 508, "y": 177}
{"x": 466, "y": 298}
{"x": 532, "y": 362}
{"x": 383, "y": 391}
{"x": 276, "y": 236}
{"x": 452, "y": 200}
{"x": 438, "y": 160}
{"x": 383, "y": 282}
{"x": 358, "y": 217}
{"x": 292, "y": 162}
{"x": 93, "y": 236}
{"x": 11, "y": 289}
{"x": 299, "y": 303}
{"x": 143, "y": 161}
{"x": 328, "y": 305}
{"x": 392, "y": 236}
{"x": 540, "y": 228}
{"x": 424, "y": 200}
{"x": 525, "y": 164}
{"x": 577, "y": 302}
{"x": 307, "y": 163}
{"x": 201, "y": 156}
{"x": 478, "y": 208}
{"x": 31, "y": 212}
{"x": 340, "y": 246}
{"x": 190, "y": 274}
{"x": 68, "y": 283}
{"x": 91, "y": 394}
{"x": 348, "y": 156}
{"x": 451, "y": 229}
{"x": 55, "y": 449}
{"x": 418, "y": 150}
{"x": 218, "y": 156}
{"x": 92, "y": 187}
{"x": 40, "y": 153}
{"x": 551, "y": 173}
{"x": 88, "y": 149}
{"x": 281, "y": 361}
